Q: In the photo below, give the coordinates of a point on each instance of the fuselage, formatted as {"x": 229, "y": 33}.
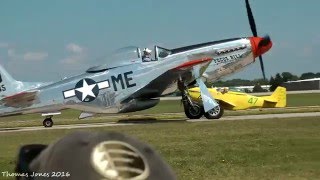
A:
{"x": 234, "y": 56}
{"x": 131, "y": 84}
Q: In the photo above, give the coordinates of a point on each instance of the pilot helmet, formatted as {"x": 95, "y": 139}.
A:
{"x": 147, "y": 50}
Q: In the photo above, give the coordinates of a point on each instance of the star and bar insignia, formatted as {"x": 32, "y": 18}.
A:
{"x": 86, "y": 90}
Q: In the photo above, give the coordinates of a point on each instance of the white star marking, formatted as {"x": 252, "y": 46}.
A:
{"x": 86, "y": 90}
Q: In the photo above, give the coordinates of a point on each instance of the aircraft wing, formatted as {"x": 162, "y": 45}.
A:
{"x": 22, "y": 99}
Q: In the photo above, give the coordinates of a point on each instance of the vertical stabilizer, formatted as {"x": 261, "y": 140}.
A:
{"x": 8, "y": 85}
{"x": 5, "y": 77}
{"x": 280, "y": 94}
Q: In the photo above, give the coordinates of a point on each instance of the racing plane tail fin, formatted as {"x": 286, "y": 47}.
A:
{"x": 280, "y": 94}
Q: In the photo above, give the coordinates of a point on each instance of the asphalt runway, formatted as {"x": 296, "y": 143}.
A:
{"x": 138, "y": 122}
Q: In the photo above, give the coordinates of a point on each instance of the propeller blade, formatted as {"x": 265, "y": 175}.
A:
{"x": 207, "y": 100}
{"x": 265, "y": 41}
{"x": 251, "y": 19}
{"x": 253, "y": 27}
{"x": 262, "y": 67}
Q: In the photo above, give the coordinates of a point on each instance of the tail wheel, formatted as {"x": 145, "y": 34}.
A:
{"x": 214, "y": 113}
{"x": 193, "y": 112}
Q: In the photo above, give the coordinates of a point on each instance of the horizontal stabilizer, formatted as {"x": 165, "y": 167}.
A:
{"x": 270, "y": 99}
{"x": 277, "y": 99}
{"x": 22, "y": 99}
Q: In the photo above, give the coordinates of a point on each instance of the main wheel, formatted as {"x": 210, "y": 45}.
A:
{"x": 193, "y": 112}
{"x": 47, "y": 122}
{"x": 214, "y": 113}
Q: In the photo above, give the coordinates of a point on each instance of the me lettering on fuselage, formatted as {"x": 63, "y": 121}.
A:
{"x": 119, "y": 79}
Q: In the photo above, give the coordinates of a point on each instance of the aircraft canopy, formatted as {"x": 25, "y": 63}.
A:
{"x": 120, "y": 57}
{"x": 125, "y": 56}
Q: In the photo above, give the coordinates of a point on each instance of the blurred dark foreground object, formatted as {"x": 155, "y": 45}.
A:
{"x": 90, "y": 156}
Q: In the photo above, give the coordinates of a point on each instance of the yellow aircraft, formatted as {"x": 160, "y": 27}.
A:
{"x": 231, "y": 100}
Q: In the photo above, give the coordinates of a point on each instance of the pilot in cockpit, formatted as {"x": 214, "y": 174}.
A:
{"x": 146, "y": 57}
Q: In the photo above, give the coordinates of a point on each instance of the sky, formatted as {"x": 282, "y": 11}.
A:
{"x": 48, "y": 40}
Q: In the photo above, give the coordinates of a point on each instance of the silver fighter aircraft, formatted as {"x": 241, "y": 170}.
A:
{"x": 129, "y": 82}
{"x": 126, "y": 84}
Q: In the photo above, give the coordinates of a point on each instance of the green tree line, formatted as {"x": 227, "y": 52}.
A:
{"x": 274, "y": 81}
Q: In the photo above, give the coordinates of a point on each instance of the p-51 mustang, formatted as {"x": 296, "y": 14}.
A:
{"x": 127, "y": 83}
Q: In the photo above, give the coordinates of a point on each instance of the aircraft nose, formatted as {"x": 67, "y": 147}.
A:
{"x": 260, "y": 45}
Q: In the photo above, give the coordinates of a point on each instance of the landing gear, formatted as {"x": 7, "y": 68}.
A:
{"x": 214, "y": 113}
{"x": 196, "y": 111}
{"x": 191, "y": 109}
{"x": 193, "y": 112}
{"x": 47, "y": 122}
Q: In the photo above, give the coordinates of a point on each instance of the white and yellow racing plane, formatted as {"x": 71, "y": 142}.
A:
{"x": 231, "y": 100}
